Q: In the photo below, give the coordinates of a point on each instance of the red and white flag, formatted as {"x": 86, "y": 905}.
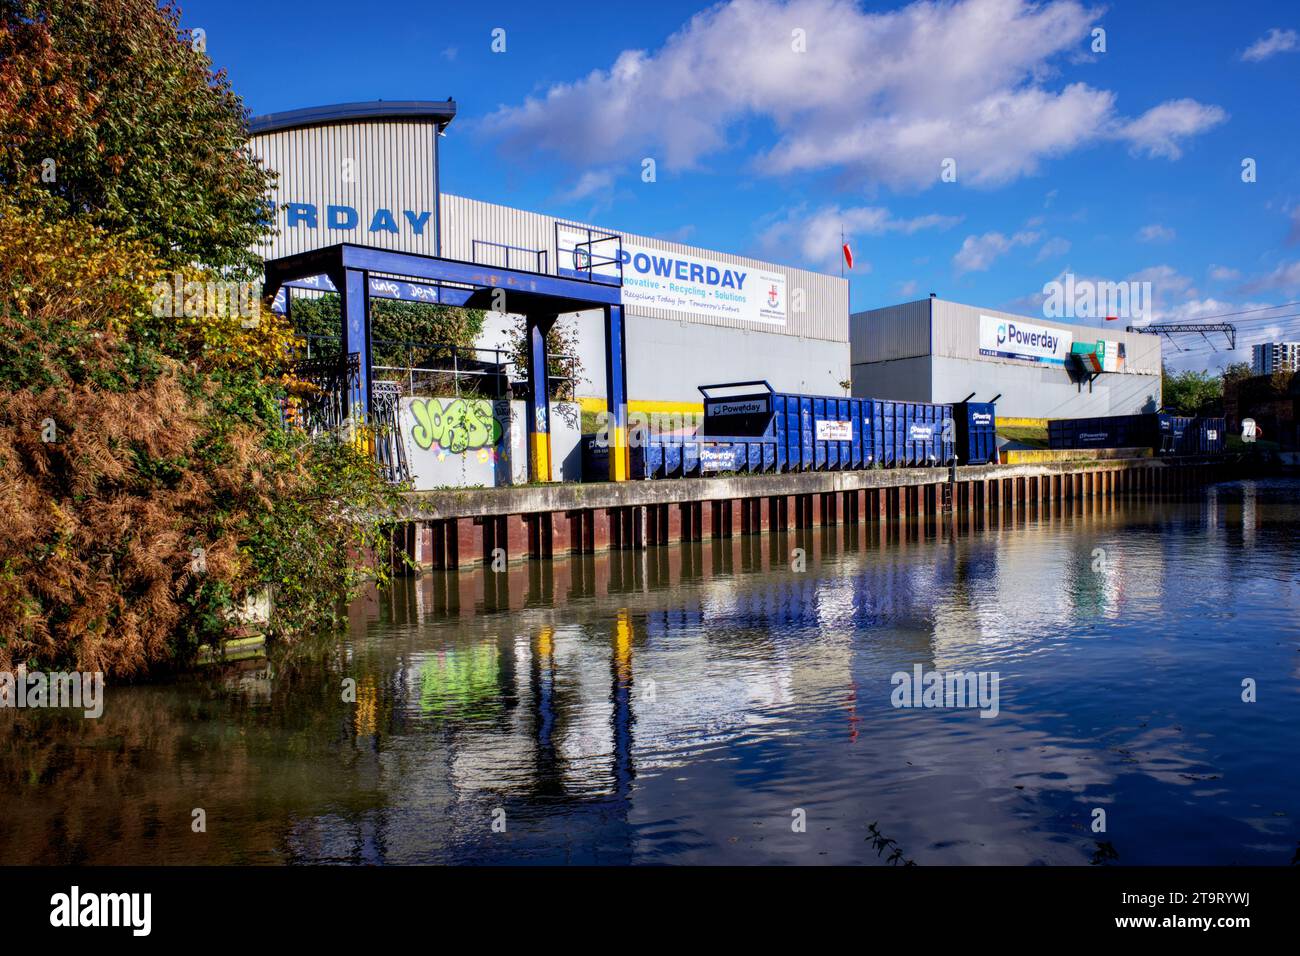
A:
{"x": 848, "y": 255}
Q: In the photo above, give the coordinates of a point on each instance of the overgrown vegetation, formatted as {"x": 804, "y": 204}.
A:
{"x": 117, "y": 116}
{"x": 147, "y": 485}
{"x": 394, "y": 327}
{"x": 1192, "y": 392}
{"x": 565, "y": 371}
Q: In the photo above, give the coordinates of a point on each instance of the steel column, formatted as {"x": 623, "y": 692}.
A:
{"x": 616, "y": 392}
{"x": 354, "y": 313}
{"x": 539, "y": 396}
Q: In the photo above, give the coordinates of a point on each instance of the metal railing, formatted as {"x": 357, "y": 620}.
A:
{"x": 331, "y": 404}
{"x": 538, "y": 256}
{"x": 390, "y": 446}
{"x": 433, "y": 368}
{"x": 335, "y": 388}
{"x": 593, "y": 254}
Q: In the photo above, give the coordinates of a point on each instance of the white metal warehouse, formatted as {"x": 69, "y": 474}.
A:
{"x": 933, "y": 350}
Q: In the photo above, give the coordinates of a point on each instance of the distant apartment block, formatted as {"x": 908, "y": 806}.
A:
{"x": 1274, "y": 357}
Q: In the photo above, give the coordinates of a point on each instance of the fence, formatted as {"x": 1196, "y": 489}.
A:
{"x": 439, "y": 368}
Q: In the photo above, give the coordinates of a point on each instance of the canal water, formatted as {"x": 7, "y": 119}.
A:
{"x": 734, "y": 702}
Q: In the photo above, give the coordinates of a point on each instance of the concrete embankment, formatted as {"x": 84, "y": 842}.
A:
{"x": 465, "y": 526}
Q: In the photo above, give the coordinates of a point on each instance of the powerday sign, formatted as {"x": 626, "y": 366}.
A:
{"x": 1025, "y": 341}
{"x": 677, "y": 282}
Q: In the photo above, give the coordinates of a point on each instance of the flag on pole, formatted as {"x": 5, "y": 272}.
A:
{"x": 848, "y": 255}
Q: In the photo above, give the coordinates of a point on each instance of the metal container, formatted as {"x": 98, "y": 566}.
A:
{"x": 977, "y": 432}
{"x": 810, "y": 432}
{"x": 1204, "y": 436}
{"x": 914, "y": 433}
{"x": 678, "y": 456}
{"x": 1162, "y": 433}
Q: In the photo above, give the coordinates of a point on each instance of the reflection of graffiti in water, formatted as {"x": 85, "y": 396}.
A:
{"x": 462, "y": 682}
{"x": 456, "y": 426}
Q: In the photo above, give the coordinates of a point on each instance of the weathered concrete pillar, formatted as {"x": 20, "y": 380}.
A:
{"x": 717, "y": 516}
{"x": 852, "y": 507}
{"x": 777, "y": 513}
{"x": 692, "y": 521}
{"x": 538, "y": 530}
{"x": 801, "y": 505}
{"x": 566, "y": 533}
{"x": 828, "y": 516}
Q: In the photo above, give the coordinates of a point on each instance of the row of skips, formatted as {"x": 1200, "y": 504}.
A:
{"x": 758, "y": 430}
{"x": 1164, "y": 434}
{"x": 766, "y": 431}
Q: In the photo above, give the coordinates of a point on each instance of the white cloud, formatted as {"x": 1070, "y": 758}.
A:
{"x": 978, "y": 252}
{"x": 1224, "y": 274}
{"x": 1156, "y": 233}
{"x": 1274, "y": 42}
{"x": 907, "y": 289}
{"x": 884, "y": 96}
{"x": 590, "y": 182}
{"x": 1053, "y": 247}
{"x": 814, "y": 236}
{"x": 1169, "y": 289}
{"x": 1160, "y": 130}
{"x": 1285, "y": 277}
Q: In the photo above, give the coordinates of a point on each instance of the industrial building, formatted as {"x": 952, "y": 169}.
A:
{"x": 934, "y": 350}
{"x": 1275, "y": 357}
{"x": 367, "y": 173}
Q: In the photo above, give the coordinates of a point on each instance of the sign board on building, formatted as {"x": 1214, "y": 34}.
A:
{"x": 1113, "y": 357}
{"x": 674, "y": 281}
{"x": 1026, "y": 341}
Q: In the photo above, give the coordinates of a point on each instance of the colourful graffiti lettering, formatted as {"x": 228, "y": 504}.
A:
{"x": 457, "y": 426}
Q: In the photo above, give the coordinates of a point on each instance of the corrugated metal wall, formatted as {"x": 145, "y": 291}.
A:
{"x": 826, "y": 298}
{"x": 392, "y": 167}
{"x": 894, "y": 332}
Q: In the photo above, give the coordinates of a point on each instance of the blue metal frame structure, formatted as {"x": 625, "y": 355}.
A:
{"x": 539, "y": 297}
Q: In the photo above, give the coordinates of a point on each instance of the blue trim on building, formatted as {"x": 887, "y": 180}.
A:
{"x": 440, "y": 112}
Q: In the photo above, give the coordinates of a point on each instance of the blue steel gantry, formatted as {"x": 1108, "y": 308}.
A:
{"x": 359, "y": 273}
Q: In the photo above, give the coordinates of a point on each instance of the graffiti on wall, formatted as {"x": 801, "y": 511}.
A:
{"x": 456, "y": 425}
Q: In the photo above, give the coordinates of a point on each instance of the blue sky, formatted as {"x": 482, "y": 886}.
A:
{"x": 1117, "y": 165}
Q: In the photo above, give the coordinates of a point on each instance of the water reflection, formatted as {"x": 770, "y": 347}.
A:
{"x": 677, "y": 704}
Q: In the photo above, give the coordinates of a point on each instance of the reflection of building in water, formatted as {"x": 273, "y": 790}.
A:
{"x": 1022, "y": 584}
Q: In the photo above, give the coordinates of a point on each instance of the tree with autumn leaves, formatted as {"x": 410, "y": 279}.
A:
{"x": 147, "y": 484}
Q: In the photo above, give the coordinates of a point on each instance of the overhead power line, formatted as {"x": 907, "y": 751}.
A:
{"x": 1170, "y": 329}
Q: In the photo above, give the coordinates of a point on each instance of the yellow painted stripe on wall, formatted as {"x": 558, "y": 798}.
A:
{"x": 697, "y": 408}
{"x": 1037, "y": 456}
{"x": 649, "y": 407}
